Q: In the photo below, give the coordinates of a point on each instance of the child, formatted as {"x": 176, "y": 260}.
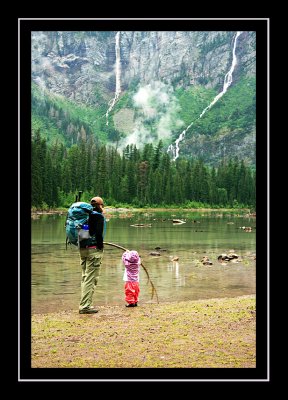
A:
{"x": 132, "y": 263}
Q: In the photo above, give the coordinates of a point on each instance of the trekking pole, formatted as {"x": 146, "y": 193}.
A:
{"x": 149, "y": 279}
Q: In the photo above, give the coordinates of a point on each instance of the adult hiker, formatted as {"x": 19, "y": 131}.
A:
{"x": 91, "y": 254}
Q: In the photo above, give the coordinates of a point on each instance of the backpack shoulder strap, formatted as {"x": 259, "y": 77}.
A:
{"x": 96, "y": 212}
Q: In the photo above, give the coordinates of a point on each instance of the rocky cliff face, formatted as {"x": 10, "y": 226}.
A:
{"x": 81, "y": 65}
{"x": 97, "y": 68}
{"x": 203, "y": 57}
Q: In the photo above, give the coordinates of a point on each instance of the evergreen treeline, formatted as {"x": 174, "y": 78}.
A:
{"x": 139, "y": 178}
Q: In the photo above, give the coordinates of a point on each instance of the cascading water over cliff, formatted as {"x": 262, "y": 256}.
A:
{"x": 174, "y": 149}
{"x": 117, "y": 74}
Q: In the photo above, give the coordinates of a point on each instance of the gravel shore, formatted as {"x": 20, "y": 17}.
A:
{"x": 214, "y": 333}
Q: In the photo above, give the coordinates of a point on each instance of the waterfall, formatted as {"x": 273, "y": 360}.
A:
{"x": 117, "y": 74}
{"x": 227, "y": 83}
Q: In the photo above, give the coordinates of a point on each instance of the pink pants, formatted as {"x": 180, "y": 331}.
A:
{"x": 132, "y": 291}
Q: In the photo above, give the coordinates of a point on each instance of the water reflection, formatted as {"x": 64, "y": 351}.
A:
{"x": 177, "y": 272}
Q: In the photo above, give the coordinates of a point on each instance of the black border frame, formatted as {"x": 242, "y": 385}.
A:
{"x": 25, "y": 372}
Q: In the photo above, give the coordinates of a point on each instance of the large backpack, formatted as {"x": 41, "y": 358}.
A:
{"x": 77, "y": 219}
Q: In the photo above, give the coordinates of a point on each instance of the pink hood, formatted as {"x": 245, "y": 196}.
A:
{"x": 131, "y": 257}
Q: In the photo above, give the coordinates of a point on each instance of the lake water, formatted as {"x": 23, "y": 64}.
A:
{"x": 56, "y": 272}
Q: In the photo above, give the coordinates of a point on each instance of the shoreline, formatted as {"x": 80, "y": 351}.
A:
{"x": 219, "y": 332}
{"x": 161, "y": 209}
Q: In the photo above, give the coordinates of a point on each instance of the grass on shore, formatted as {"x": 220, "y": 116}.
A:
{"x": 214, "y": 333}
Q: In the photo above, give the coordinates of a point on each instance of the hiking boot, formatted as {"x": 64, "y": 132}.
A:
{"x": 88, "y": 311}
{"x": 130, "y": 305}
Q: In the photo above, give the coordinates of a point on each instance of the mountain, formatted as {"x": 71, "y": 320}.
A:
{"x": 196, "y": 91}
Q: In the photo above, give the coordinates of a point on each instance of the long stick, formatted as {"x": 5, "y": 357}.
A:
{"x": 149, "y": 280}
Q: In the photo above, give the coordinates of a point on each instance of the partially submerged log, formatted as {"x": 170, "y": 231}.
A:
{"x": 142, "y": 225}
{"x": 178, "y": 221}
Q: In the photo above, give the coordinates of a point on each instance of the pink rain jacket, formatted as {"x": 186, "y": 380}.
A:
{"x": 132, "y": 263}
